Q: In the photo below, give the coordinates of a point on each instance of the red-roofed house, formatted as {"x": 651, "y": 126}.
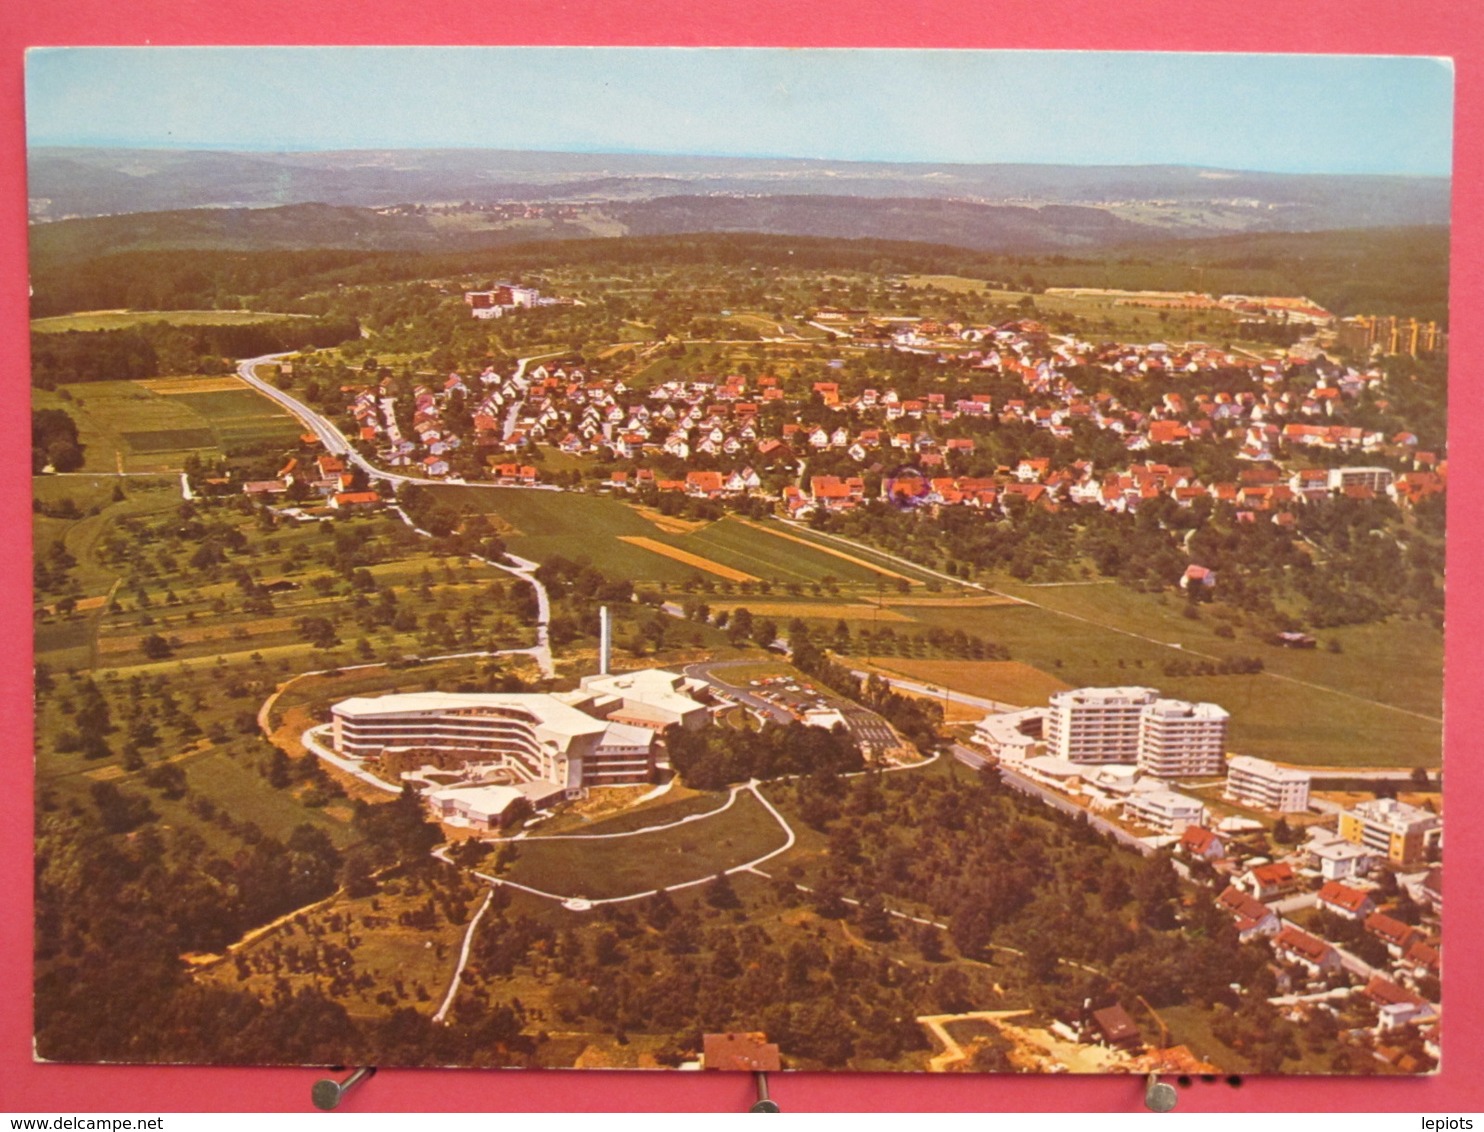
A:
{"x": 707, "y": 485}
{"x": 1197, "y": 576}
{"x": 1422, "y": 958}
{"x": 1201, "y": 842}
{"x": 1345, "y": 901}
{"x": 1396, "y": 935}
{"x": 1253, "y": 917}
{"x": 1314, "y": 955}
{"x": 354, "y": 500}
{"x": 1268, "y": 882}
{"x": 1397, "y": 1006}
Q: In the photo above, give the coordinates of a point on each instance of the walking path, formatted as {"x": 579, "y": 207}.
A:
{"x": 583, "y": 904}
{"x": 458, "y": 972}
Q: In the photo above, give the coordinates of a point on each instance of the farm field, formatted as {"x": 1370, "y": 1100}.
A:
{"x": 123, "y": 319}
{"x": 1396, "y": 663}
{"x": 875, "y": 565}
{"x": 860, "y": 612}
{"x": 1106, "y": 313}
{"x": 622, "y": 866}
{"x": 1369, "y": 703}
{"x": 1008, "y": 681}
{"x": 613, "y": 536}
{"x": 687, "y": 558}
{"x": 153, "y": 425}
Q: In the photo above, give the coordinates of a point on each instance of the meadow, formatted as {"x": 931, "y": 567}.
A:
{"x": 123, "y": 319}
{"x": 1100, "y": 314}
{"x": 1371, "y": 698}
{"x": 575, "y": 525}
{"x": 642, "y": 862}
{"x": 1272, "y": 716}
{"x": 153, "y": 426}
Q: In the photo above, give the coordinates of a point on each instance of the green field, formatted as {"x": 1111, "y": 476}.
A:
{"x": 125, "y": 427}
{"x": 577, "y": 525}
{"x": 1333, "y": 725}
{"x": 598, "y": 870}
{"x": 1394, "y": 662}
{"x": 1375, "y": 702}
{"x": 122, "y": 320}
{"x": 1104, "y": 313}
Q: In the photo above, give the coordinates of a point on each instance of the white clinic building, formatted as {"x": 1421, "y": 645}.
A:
{"x": 533, "y": 735}
{"x": 1164, "y": 811}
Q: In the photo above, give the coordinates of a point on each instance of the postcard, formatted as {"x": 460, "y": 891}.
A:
{"x": 739, "y": 559}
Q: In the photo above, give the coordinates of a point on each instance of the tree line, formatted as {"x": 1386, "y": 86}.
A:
{"x": 155, "y": 348}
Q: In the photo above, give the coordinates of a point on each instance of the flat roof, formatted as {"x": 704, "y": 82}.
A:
{"x": 1253, "y": 765}
{"x": 1186, "y": 709}
{"x": 549, "y": 712}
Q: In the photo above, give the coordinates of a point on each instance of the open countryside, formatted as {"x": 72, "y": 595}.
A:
{"x": 656, "y": 620}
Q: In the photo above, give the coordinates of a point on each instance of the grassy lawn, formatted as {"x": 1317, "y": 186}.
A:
{"x": 121, "y": 320}
{"x": 1191, "y": 1026}
{"x": 572, "y": 525}
{"x": 602, "y": 869}
{"x": 674, "y": 805}
{"x": 869, "y": 564}
{"x": 576, "y": 525}
{"x": 765, "y": 551}
{"x": 740, "y": 675}
{"x": 232, "y": 785}
{"x": 1107, "y": 313}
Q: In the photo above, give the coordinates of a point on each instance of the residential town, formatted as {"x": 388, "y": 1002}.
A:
{"x": 742, "y": 436}
{"x": 1347, "y": 894}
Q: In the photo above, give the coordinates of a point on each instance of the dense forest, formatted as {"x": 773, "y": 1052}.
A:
{"x": 1380, "y": 271}
{"x": 156, "y": 348}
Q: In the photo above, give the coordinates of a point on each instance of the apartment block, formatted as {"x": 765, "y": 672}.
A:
{"x": 1166, "y": 738}
{"x": 1267, "y": 786}
{"x": 1391, "y": 828}
{"x": 1182, "y": 740}
{"x": 1097, "y": 725}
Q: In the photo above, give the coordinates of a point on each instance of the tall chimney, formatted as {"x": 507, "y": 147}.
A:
{"x": 605, "y": 640}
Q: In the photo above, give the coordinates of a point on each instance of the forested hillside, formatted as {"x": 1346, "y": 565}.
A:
{"x": 1379, "y": 271}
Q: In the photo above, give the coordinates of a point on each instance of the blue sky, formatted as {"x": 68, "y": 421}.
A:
{"x": 1282, "y": 113}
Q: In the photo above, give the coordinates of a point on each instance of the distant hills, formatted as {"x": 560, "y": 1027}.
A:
{"x": 1001, "y": 207}
{"x": 116, "y": 227}
{"x": 980, "y": 227}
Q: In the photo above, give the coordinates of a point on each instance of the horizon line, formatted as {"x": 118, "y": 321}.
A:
{"x": 619, "y": 151}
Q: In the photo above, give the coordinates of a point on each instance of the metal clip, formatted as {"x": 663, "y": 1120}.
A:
{"x": 328, "y": 1093}
{"x": 1158, "y": 1096}
{"x": 763, "y": 1103}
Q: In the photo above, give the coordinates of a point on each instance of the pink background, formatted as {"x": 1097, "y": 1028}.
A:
{"x": 1419, "y": 27}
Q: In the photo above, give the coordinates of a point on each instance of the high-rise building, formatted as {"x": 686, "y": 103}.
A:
{"x": 1391, "y": 335}
{"x": 1097, "y": 725}
{"x": 1182, "y": 740}
{"x": 1167, "y": 738}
